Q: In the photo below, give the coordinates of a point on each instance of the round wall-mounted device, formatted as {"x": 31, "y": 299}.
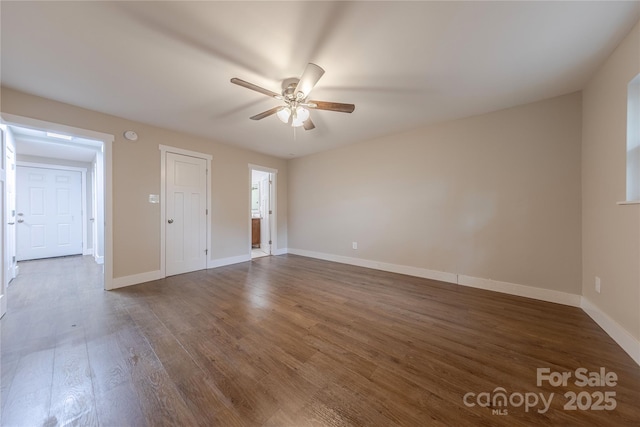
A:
{"x": 131, "y": 135}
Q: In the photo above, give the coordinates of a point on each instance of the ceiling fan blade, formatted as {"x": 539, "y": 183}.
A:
{"x": 251, "y": 86}
{"x": 266, "y": 113}
{"x": 331, "y": 106}
{"x": 308, "y": 124}
{"x": 310, "y": 77}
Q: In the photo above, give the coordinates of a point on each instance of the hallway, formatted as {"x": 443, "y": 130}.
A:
{"x": 53, "y": 304}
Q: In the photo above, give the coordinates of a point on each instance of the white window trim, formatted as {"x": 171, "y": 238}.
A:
{"x": 632, "y": 167}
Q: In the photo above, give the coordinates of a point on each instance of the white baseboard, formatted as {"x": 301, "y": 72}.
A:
{"x": 134, "y": 279}
{"x": 88, "y": 251}
{"x": 619, "y": 334}
{"x": 377, "y": 265}
{"x": 99, "y": 259}
{"x": 542, "y": 294}
{"x": 443, "y": 276}
{"x": 221, "y": 262}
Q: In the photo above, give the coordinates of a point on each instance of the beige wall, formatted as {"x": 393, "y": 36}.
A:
{"x": 495, "y": 196}
{"x": 136, "y": 174}
{"x": 611, "y": 233}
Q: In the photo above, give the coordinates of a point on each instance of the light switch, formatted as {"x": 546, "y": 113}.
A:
{"x": 154, "y": 198}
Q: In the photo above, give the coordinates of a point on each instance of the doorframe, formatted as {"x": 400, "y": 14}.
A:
{"x": 83, "y": 191}
{"x": 4, "y": 281}
{"x": 106, "y": 155}
{"x": 11, "y": 270}
{"x": 164, "y": 149}
{"x": 273, "y": 204}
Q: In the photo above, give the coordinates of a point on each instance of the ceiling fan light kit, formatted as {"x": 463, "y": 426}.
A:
{"x": 283, "y": 114}
{"x": 295, "y": 92}
{"x": 296, "y": 117}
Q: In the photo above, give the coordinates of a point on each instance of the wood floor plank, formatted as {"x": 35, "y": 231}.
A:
{"x": 29, "y": 394}
{"x": 120, "y": 406}
{"x": 290, "y": 341}
{"x": 72, "y": 398}
{"x": 159, "y": 399}
{"x": 203, "y": 398}
{"x": 7, "y": 371}
{"x": 108, "y": 365}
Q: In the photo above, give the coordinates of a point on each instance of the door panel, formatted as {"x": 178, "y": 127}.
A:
{"x": 186, "y": 228}
{"x": 49, "y": 204}
{"x": 265, "y": 228}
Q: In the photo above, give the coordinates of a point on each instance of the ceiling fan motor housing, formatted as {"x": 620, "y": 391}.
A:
{"x": 289, "y": 88}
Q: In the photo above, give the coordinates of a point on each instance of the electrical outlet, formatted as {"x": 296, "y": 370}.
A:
{"x": 354, "y": 245}
{"x": 597, "y": 284}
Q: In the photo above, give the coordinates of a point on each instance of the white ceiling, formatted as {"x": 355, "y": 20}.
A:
{"x": 35, "y": 142}
{"x": 403, "y": 64}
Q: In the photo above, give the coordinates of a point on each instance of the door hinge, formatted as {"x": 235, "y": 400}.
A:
{"x": 270, "y": 212}
{"x": 206, "y": 211}
{"x": 206, "y": 251}
{"x": 270, "y": 242}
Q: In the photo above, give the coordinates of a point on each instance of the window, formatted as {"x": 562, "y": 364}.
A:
{"x": 633, "y": 139}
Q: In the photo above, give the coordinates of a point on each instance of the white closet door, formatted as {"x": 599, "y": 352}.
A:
{"x": 186, "y": 211}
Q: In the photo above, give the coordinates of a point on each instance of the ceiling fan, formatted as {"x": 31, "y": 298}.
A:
{"x": 295, "y": 94}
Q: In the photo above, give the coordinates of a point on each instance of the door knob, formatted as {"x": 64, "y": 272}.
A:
{"x": 21, "y": 220}
{"x": 11, "y": 223}
{"x": 170, "y": 221}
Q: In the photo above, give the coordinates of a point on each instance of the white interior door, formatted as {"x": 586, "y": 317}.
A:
{"x": 186, "y": 213}
{"x": 265, "y": 223}
{"x": 49, "y": 218}
{"x": 3, "y": 225}
{"x": 94, "y": 211}
{"x": 11, "y": 213}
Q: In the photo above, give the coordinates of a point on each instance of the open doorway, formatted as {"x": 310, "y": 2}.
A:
{"x": 262, "y": 211}
{"x": 77, "y": 164}
{"x": 56, "y": 195}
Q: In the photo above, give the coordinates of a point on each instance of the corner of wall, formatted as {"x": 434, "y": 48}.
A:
{"x": 618, "y": 333}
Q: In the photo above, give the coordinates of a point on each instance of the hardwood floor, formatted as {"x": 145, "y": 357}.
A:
{"x": 293, "y": 341}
